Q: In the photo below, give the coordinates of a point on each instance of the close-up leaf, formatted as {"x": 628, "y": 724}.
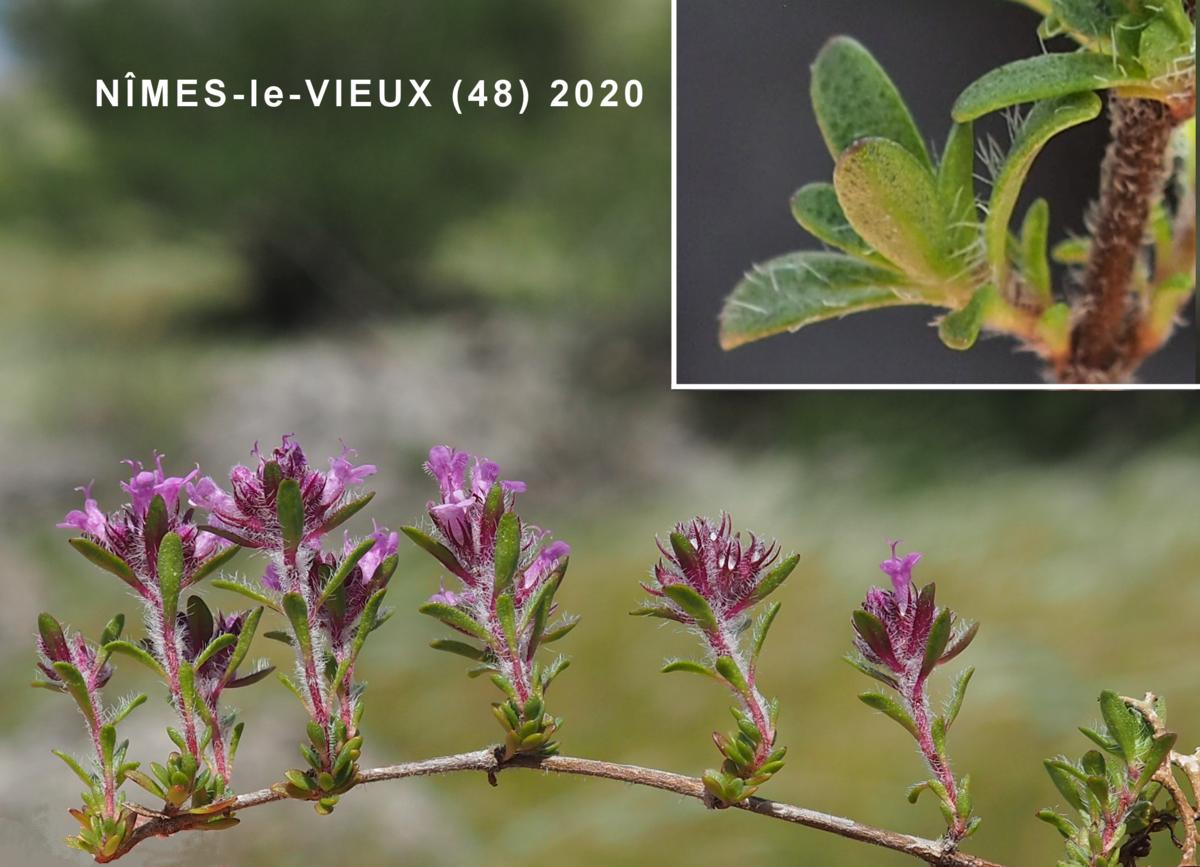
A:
{"x": 1047, "y": 76}
{"x": 891, "y": 199}
{"x": 1048, "y": 119}
{"x": 799, "y": 289}
{"x": 854, "y": 98}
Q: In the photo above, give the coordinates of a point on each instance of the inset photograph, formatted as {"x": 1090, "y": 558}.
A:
{"x": 935, "y": 192}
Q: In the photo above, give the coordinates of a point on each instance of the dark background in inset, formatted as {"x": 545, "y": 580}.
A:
{"x": 748, "y": 139}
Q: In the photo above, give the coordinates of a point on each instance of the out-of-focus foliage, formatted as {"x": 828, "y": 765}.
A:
{"x": 354, "y": 207}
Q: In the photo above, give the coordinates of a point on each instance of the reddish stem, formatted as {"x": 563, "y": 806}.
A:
{"x": 939, "y": 764}
{"x": 722, "y": 645}
{"x": 172, "y": 655}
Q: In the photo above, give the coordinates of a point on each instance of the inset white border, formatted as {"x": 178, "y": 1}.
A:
{"x": 676, "y": 385}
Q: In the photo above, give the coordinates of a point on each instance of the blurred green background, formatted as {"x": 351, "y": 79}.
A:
{"x": 196, "y": 282}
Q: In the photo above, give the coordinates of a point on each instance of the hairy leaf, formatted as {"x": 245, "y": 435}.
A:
{"x": 854, "y": 98}
{"x": 891, "y": 199}
{"x": 816, "y": 208}
{"x": 881, "y": 702}
{"x": 1047, "y": 120}
{"x": 693, "y": 604}
{"x": 1047, "y": 76}
{"x": 1035, "y": 264}
{"x": 798, "y": 289}
{"x": 689, "y": 666}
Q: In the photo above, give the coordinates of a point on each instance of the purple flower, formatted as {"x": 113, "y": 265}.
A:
{"x": 247, "y": 511}
{"x": 474, "y": 503}
{"x": 465, "y": 482}
{"x": 900, "y": 622}
{"x": 731, "y": 575}
{"x": 134, "y": 532}
{"x": 339, "y": 620}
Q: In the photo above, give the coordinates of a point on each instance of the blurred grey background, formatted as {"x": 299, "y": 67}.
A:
{"x": 748, "y": 140}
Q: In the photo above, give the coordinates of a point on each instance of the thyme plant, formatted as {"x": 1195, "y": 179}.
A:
{"x": 909, "y": 229}
{"x": 1132, "y": 795}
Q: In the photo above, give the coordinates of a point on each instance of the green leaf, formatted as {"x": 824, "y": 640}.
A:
{"x": 127, "y": 708}
{"x": 1047, "y": 120}
{"x": 693, "y": 604}
{"x": 663, "y": 612}
{"x": 457, "y": 619}
{"x": 297, "y": 614}
{"x": 199, "y": 620}
{"x": 439, "y": 551}
{"x": 156, "y": 523}
{"x": 70, "y": 762}
{"x": 1103, "y": 741}
{"x": 507, "y": 615}
{"x": 956, "y": 189}
{"x": 1123, "y": 724}
{"x": 107, "y": 561}
{"x": 560, "y": 629}
{"x": 187, "y": 686}
{"x": 219, "y": 643}
{"x": 449, "y": 645}
{"x": 761, "y": 626}
{"x": 346, "y": 512}
{"x": 871, "y": 629}
{"x": 73, "y": 680}
{"x": 689, "y": 666}
{"x": 685, "y": 552}
{"x": 871, "y": 671}
{"x": 1048, "y": 76}
{"x": 213, "y": 563}
{"x": 728, "y": 669}
{"x": 289, "y": 505}
{"x": 881, "y": 702}
{"x": 1072, "y": 251}
{"x": 891, "y": 199}
{"x": 248, "y": 592}
{"x": 508, "y": 550}
{"x": 1066, "y": 779}
{"x": 854, "y": 98}
{"x": 961, "y": 639}
{"x": 53, "y": 639}
{"x": 345, "y": 568}
{"x": 170, "y": 573}
{"x": 1159, "y": 750}
{"x": 1059, "y": 822}
{"x": 798, "y": 289}
{"x": 939, "y": 636}
{"x": 112, "y": 630}
{"x": 774, "y": 578}
{"x": 137, "y": 652}
{"x": 816, "y": 208}
{"x": 243, "y": 644}
{"x": 957, "y": 695}
{"x": 960, "y": 329}
{"x": 1035, "y": 264}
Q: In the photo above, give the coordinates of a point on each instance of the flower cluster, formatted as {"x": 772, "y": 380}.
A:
{"x": 70, "y": 664}
{"x": 126, "y": 542}
{"x": 901, "y": 636}
{"x": 708, "y": 579}
{"x": 251, "y": 513}
{"x": 283, "y": 508}
{"x": 154, "y": 545}
{"x": 509, "y": 572}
